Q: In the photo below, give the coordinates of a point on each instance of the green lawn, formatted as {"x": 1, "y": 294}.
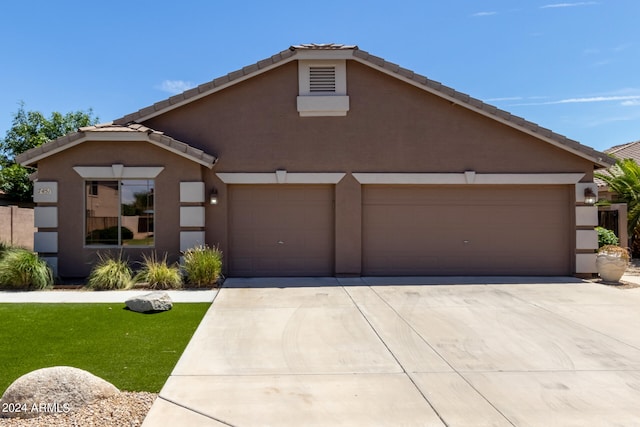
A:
{"x": 133, "y": 351}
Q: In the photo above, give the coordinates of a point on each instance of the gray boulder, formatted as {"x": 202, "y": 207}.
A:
{"x": 154, "y": 301}
{"x": 55, "y": 390}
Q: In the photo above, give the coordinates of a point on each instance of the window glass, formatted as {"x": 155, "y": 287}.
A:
{"x": 136, "y": 198}
{"x": 119, "y": 213}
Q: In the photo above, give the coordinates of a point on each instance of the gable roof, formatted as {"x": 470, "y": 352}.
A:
{"x": 352, "y": 52}
{"x": 630, "y": 150}
{"x": 114, "y": 132}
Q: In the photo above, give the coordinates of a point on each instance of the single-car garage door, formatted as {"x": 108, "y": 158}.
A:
{"x": 466, "y": 230}
{"x": 281, "y": 230}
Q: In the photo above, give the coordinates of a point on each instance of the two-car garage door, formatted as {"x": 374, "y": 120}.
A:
{"x": 288, "y": 230}
{"x": 465, "y": 230}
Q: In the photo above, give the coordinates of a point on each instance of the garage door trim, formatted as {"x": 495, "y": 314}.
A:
{"x": 469, "y": 177}
{"x": 280, "y": 177}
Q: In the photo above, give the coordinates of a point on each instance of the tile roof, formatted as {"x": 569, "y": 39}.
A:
{"x": 598, "y": 158}
{"x": 323, "y": 46}
{"x": 131, "y": 131}
{"x": 128, "y": 122}
{"x": 630, "y": 150}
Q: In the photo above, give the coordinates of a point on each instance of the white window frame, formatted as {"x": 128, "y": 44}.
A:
{"x": 115, "y": 172}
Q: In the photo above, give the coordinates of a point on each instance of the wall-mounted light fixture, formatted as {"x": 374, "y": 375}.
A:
{"x": 590, "y": 198}
{"x": 213, "y": 197}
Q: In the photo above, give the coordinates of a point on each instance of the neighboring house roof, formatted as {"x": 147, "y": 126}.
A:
{"x": 115, "y": 132}
{"x": 630, "y": 150}
{"x": 302, "y": 52}
{"x": 339, "y": 51}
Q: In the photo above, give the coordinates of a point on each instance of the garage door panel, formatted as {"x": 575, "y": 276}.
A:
{"x": 281, "y": 230}
{"x": 420, "y": 230}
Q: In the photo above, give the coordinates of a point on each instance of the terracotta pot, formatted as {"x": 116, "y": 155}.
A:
{"x": 610, "y": 267}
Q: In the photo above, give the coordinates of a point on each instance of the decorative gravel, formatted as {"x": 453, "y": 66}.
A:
{"x": 127, "y": 409}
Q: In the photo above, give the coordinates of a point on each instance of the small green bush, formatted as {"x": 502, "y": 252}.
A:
{"x": 158, "y": 274}
{"x": 203, "y": 266}
{"x": 606, "y": 237}
{"x": 110, "y": 273}
{"x": 22, "y": 269}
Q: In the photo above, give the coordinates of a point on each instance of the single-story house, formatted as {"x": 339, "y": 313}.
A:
{"x": 321, "y": 160}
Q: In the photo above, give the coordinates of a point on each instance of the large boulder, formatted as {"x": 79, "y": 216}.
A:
{"x": 59, "y": 389}
{"x": 154, "y": 301}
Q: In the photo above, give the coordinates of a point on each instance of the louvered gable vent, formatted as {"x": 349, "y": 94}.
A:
{"x": 322, "y": 79}
{"x": 322, "y": 88}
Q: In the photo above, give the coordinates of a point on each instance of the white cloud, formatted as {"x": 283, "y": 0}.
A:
{"x": 516, "y": 98}
{"x": 626, "y": 99}
{"x": 622, "y": 47}
{"x": 175, "y": 86}
{"x": 596, "y": 99}
{"x": 506, "y": 98}
{"x": 485, "y": 13}
{"x": 556, "y": 5}
{"x": 631, "y": 103}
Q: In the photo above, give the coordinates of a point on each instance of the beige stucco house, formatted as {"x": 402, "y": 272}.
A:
{"x": 321, "y": 160}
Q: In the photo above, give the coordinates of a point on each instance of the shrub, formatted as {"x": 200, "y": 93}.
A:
{"x": 203, "y": 266}
{"x": 158, "y": 274}
{"x": 22, "y": 269}
{"x": 4, "y": 247}
{"x": 606, "y": 237}
{"x": 110, "y": 273}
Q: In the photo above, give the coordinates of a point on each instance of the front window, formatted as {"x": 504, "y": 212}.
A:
{"x": 120, "y": 212}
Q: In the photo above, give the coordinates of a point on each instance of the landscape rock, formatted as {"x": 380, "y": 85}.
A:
{"x": 55, "y": 390}
{"x": 154, "y": 301}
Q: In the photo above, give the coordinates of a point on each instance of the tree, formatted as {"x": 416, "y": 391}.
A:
{"x": 623, "y": 179}
{"x": 30, "y": 129}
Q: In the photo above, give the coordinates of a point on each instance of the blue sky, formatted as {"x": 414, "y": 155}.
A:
{"x": 570, "y": 66}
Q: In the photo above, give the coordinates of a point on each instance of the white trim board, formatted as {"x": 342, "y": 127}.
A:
{"x": 468, "y": 177}
{"x": 280, "y": 177}
{"x": 118, "y": 172}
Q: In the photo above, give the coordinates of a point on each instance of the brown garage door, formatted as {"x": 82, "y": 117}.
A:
{"x": 456, "y": 230}
{"x": 281, "y": 230}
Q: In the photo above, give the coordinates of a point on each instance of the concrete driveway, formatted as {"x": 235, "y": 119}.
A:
{"x": 400, "y": 352}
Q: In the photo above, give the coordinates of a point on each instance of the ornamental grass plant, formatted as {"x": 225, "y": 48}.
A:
{"x": 110, "y": 273}
{"x": 157, "y": 274}
{"x": 203, "y": 266}
{"x": 615, "y": 251}
{"x": 23, "y": 269}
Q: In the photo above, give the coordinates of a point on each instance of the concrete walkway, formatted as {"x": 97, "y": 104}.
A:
{"x": 391, "y": 352}
{"x": 87, "y": 296}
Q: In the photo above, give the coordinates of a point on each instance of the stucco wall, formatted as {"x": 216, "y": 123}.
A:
{"x": 391, "y": 127}
{"x": 75, "y": 260}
